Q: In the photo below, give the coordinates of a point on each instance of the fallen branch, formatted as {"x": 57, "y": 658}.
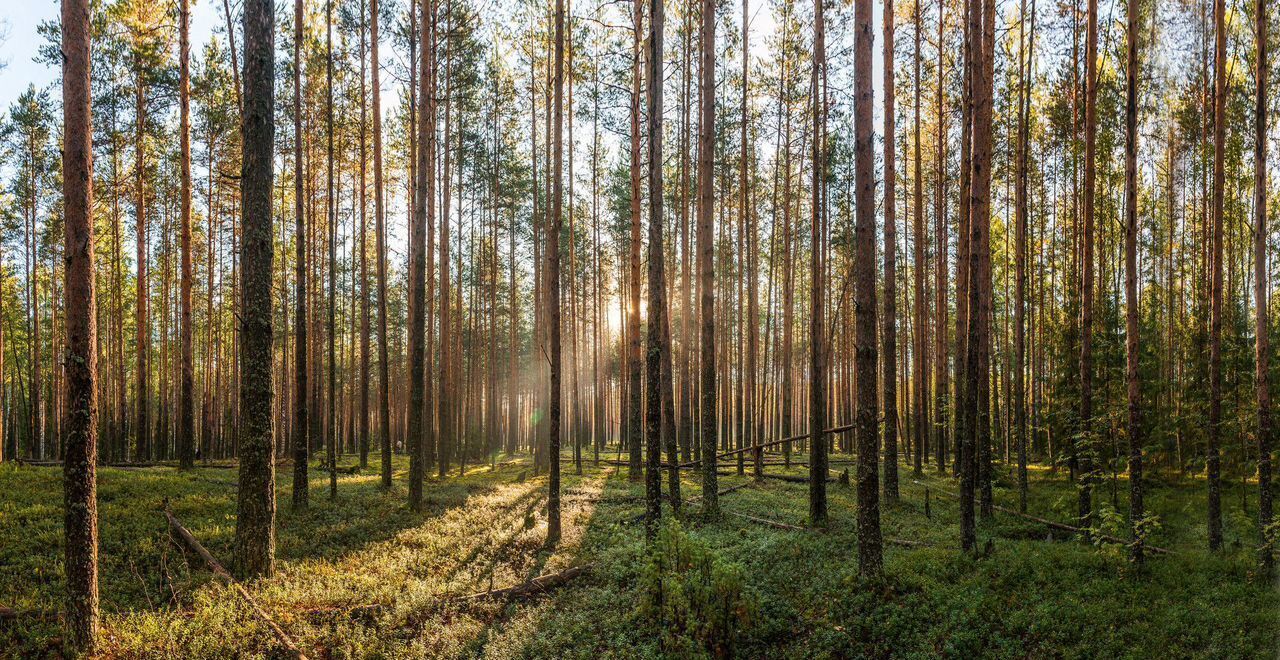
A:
{"x": 540, "y": 584}
{"x": 698, "y": 498}
{"x": 794, "y": 478}
{"x": 768, "y": 523}
{"x": 1062, "y": 526}
{"x": 221, "y": 572}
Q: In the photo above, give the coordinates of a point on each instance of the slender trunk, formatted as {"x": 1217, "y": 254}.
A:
{"x": 418, "y": 258}
{"x": 889, "y": 366}
{"x": 255, "y": 519}
{"x": 921, "y": 347}
{"x": 870, "y": 553}
{"x": 553, "y": 285}
{"x": 1131, "y": 279}
{"x": 80, "y": 456}
{"x": 301, "y": 424}
{"x": 660, "y": 407}
{"x": 818, "y": 350}
{"x": 635, "y": 432}
{"x": 1018, "y": 398}
{"x": 186, "y": 403}
{"x": 380, "y": 240}
{"x": 942, "y": 402}
{"x": 142, "y": 429}
{"x": 1084, "y": 448}
{"x": 363, "y": 414}
{"x": 1262, "y": 320}
{"x": 331, "y": 207}
{"x": 1212, "y": 458}
{"x": 753, "y": 426}
{"x": 706, "y": 269}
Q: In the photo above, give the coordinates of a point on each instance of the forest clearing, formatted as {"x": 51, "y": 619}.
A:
{"x": 364, "y": 577}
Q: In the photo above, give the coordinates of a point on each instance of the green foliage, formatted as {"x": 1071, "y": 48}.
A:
{"x": 363, "y": 577}
{"x": 697, "y": 599}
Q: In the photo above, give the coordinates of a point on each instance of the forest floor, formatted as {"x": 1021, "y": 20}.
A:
{"x": 363, "y": 576}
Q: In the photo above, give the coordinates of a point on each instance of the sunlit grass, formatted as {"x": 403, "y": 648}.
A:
{"x": 363, "y": 576}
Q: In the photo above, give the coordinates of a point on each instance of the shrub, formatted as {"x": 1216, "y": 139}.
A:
{"x": 697, "y": 599}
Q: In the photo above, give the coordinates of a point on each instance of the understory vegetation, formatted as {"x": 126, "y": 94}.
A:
{"x": 362, "y": 576}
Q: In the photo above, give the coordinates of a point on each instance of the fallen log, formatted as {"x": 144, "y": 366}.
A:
{"x": 1061, "y": 526}
{"x": 771, "y": 443}
{"x": 540, "y": 584}
{"x": 220, "y": 571}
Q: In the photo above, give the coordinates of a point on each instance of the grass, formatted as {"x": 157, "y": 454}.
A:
{"x": 799, "y": 592}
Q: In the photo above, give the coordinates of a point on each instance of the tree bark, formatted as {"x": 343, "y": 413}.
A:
{"x": 142, "y": 428}
{"x": 79, "y": 476}
{"x": 818, "y": 377}
{"x": 1131, "y": 279}
{"x": 870, "y": 549}
{"x": 301, "y": 423}
{"x": 1212, "y": 458}
{"x": 423, "y": 201}
{"x": 380, "y": 238}
{"x": 255, "y": 521}
{"x": 1262, "y": 320}
{"x": 889, "y": 364}
{"x": 1084, "y": 449}
{"x": 186, "y": 401}
{"x": 659, "y": 406}
{"x": 553, "y": 286}
{"x": 634, "y": 431}
{"x": 707, "y": 432}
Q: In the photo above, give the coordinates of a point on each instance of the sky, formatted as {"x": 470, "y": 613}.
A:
{"x": 20, "y": 19}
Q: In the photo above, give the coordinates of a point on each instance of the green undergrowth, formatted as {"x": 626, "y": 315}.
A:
{"x": 362, "y": 576}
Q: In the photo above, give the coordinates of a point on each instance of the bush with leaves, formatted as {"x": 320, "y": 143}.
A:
{"x": 697, "y": 599}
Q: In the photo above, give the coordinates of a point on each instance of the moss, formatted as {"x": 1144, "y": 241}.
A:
{"x": 365, "y": 577}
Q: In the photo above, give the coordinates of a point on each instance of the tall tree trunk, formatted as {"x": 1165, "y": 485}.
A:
{"x": 255, "y": 519}
{"x": 1084, "y": 449}
{"x": 1020, "y": 260}
{"x": 870, "y": 552}
{"x": 635, "y": 432}
{"x": 818, "y": 377}
{"x": 186, "y": 401}
{"x": 1212, "y": 458}
{"x": 686, "y": 276}
{"x": 447, "y": 441}
{"x": 553, "y": 285}
{"x": 1262, "y": 351}
{"x": 331, "y": 206}
{"x": 919, "y": 240}
{"x": 301, "y": 424}
{"x": 80, "y": 457}
{"x": 362, "y": 424}
{"x": 142, "y": 429}
{"x": 706, "y": 267}
{"x": 889, "y": 365}
{"x": 753, "y": 425}
{"x": 660, "y": 404}
{"x": 942, "y": 403}
{"x": 380, "y": 239}
{"x": 423, "y": 202}
{"x": 1131, "y": 278}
